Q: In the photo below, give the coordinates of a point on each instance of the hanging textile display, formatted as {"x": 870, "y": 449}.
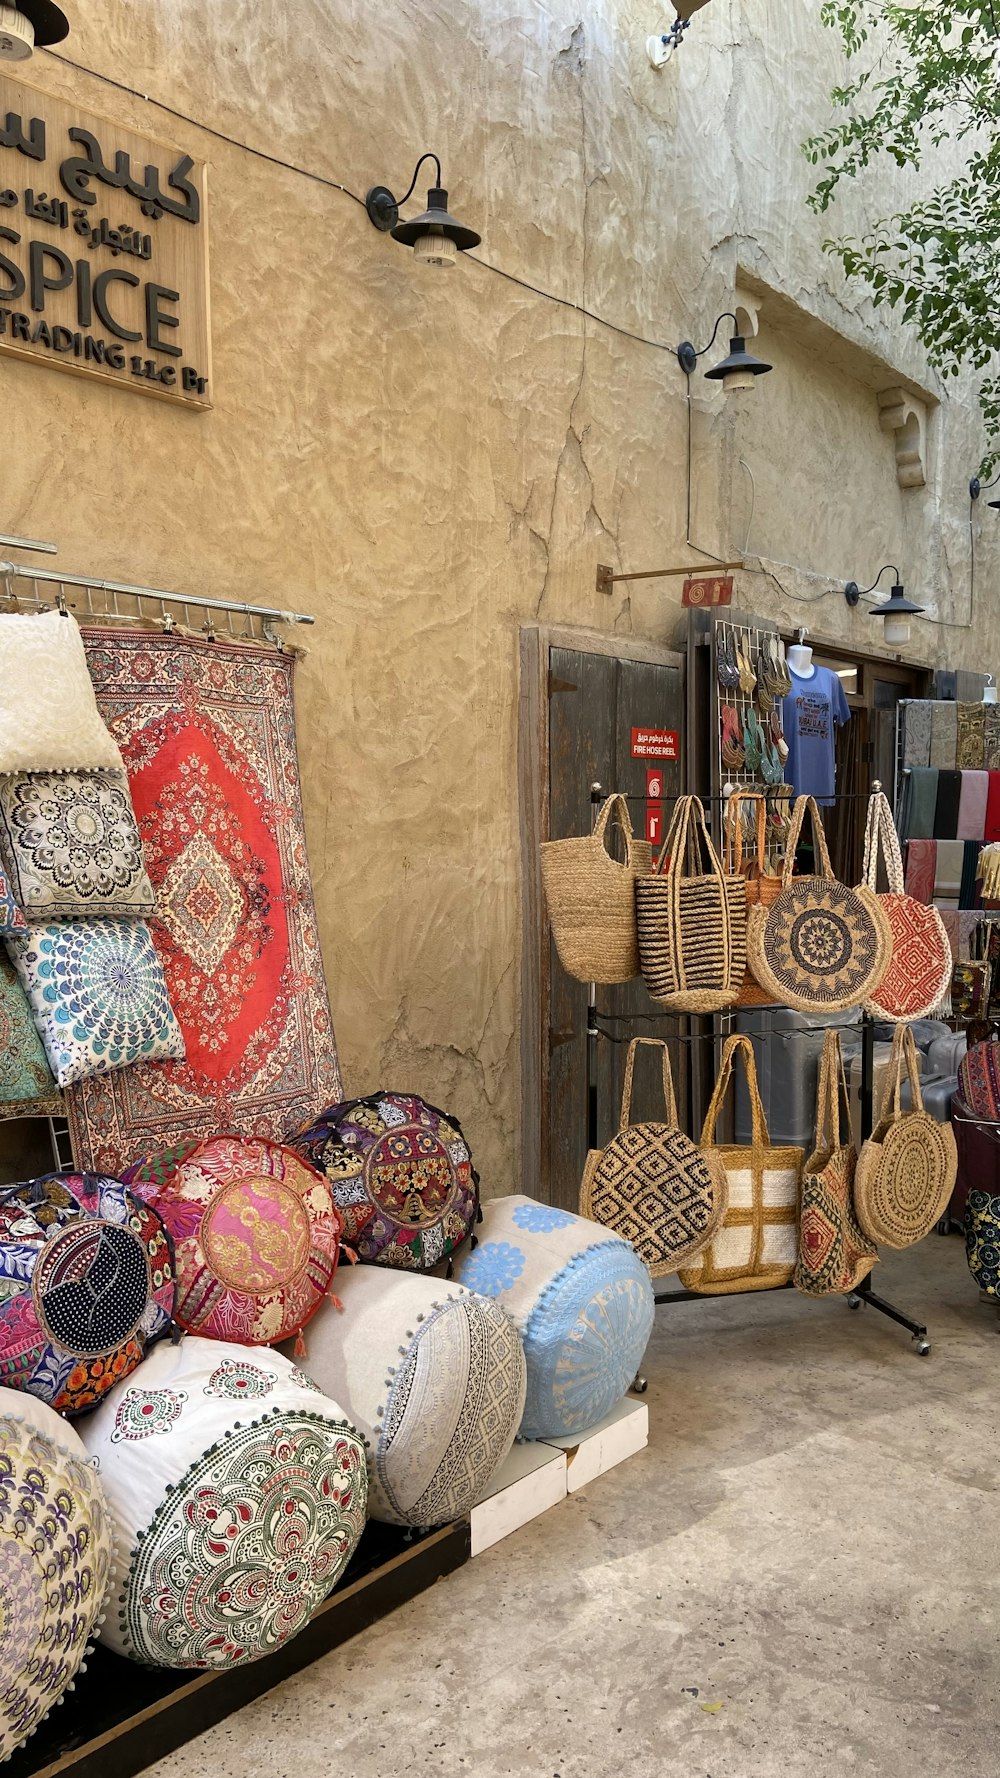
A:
{"x": 651, "y": 1184}
{"x": 919, "y": 971}
{"x": 208, "y": 734}
{"x": 944, "y": 734}
{"x": 27, "y": 1087}
{"x": 691, "y": 919}
{"x": 590, "y": 899}
{"x": 755, "y": 1246}
{"x": 906, "y": 1169}
{"x": 916, "y": 715}
{"x": 834, "y": 1253}
{"x": 970, "y": 750}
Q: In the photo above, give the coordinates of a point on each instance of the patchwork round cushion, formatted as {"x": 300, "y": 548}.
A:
{"x": 435, "y": 1379}
{"x": 582, "y": 1300}
{"x": 979, "y": 1081}
{"x": 255, "y": 1232}
{"x": 402, "y": 1178}
{"x": 86, "y": 1285}
{"x": 55, "y": 1562}
{"x": 238, "y": 1497}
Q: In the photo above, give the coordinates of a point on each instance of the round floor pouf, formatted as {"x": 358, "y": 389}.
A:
{"x": 86, "y": 1285}
{"x": 55, "y": 1562}
{"x": 434, "y": 1377}
{"x": 583, "y": 1303}
{"x": 238, "y": 1496}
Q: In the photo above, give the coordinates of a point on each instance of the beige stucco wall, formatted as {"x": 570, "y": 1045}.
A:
{"x": 427, "y": 460}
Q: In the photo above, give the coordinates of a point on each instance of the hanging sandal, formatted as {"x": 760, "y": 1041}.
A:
{"x": 764, "y": 695}
{"x": 786, "y": 678}
{"x": 753, "y": 741}
{"x": 772, "y": 672}
{"x": 781, "y": 745}
{"x": 733, "y": 756}
{"x": 748, "y": 678}
{"x": 728, "y": 671}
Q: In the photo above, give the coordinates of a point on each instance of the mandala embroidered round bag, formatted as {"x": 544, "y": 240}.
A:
{"x": 255, "y": 1232}
{"x": 86, "y": 1285}
{"x": 819, "y": 947}
{"x": 55, "y": 1562}
{"x": 920, "y": 964}
{"x": 238, "y": 1496}
{"x": 402, "y": 1178}
{"x": 652, "y": 1185}
{"x": 907, "y": 1168}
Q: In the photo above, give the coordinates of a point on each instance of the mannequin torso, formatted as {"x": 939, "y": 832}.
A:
{"x": 800, "y": 660}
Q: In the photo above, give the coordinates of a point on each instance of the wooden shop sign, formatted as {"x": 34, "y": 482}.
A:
{"x": 103, "y": 249}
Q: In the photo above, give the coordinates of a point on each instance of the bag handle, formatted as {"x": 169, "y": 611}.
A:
{"x": 688, "y": 822}
{"x": 738, "y": 1042}
{"x": 669, "y": 1100}
{"x": 881, "y": 839}
{"x": 832, "y": 1097}
{"x": 618, "y": 806}
{"x": 805, "y": 805}
{"x": 903, "y": 1049}
{"x": 734, "y": 831}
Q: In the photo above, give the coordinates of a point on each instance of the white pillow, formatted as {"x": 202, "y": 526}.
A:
{"x": 49, "y": 720}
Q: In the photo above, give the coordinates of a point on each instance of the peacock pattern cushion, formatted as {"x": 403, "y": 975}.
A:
{"x": 435, "y": 1379}
{"x": 55, "y": 1562}
{"x": 238, "y": 1496}
{"x": 86, "y": 1286}
{"x": 27, "y": 1088}
{"x": 97, "y": 995}
{"x": 402, "y": 1178}
{"x": 71, "y": 846}
{"x": 255, "y": 1232}
{"x": 583, "y": 1303}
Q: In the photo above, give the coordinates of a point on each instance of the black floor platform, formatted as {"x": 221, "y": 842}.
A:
{"x": 121, "y": 1717}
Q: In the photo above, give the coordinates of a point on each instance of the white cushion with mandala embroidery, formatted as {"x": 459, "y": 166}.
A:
{"x": 55, "y": 1562}
{"x": 238, "y": 1495}
{"x": 435, "y": 1379}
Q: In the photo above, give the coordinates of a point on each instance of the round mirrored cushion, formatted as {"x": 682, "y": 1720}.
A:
{"x": 86, "y": 1285}
{"x": 402, "y": 1178}
{"x": 582, "y": 1300}
{"x": 238, "y": 1496}
{"x": 435, "y": 1379}
{"x": 255, "y": 1232}
{"x": 55, "y": 1562}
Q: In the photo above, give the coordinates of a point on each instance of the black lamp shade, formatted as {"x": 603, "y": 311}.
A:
{"x": 739, "y": 360}
{"x": 897, "y": 605}
{"x": 50, "y": 24}
{"x": 436, "y": 221}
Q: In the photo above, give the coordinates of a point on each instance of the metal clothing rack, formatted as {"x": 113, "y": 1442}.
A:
{"x": 864, "y": 1295}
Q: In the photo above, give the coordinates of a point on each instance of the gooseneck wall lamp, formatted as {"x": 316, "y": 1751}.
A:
{"x": 896, "y": 611}
{"x": 737, "y": 371}
{"x": 976, "y": 487}
{"x": 30, "y": 25}
{"x": 436, "y": 237}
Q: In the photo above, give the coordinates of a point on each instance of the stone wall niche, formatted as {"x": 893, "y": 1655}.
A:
{"x": 905, "y": 416}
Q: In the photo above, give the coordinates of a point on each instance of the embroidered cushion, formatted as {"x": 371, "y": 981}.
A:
{"x": 583, "y": 1303}
{"x": 55, "y": 1562}
{"x": 979, "y": 1081}
{"x": 435, "y": 1379}
{"x": 27, "y": 1088}
{"x": 86, "y": 1284}
{"x": 238, "y": 1497}
{"x": 11, "y": 917}
{"x": 982, "y": 1240}
{"x": 255, "y": 1232}
{"x": 49, "y": 719}
{"x": 98, "y": 997}
{"x": 71, "y": 846}
{"x": 402, "y": 1177}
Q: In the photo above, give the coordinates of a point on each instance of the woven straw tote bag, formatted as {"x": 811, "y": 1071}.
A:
{"x": 756, "y": 1244}
{"x": 591, "y": 899}
{"x": 834, "y": 1253}
{"x": 919, "y": 973}
{"x": 820, "y": 947}
{"x": 651, "y": 1184}
{"x": 762, "y": 888}
{"x": 692, "y": 928}
{"x": 907, "y": 1168}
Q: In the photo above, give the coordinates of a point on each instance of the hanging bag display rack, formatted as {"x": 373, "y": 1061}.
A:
{"x": 863, "y": 1296}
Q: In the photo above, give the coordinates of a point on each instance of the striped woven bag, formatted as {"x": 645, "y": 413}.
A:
{"x": 691, "y": 927}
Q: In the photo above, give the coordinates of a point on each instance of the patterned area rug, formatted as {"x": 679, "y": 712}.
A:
{"x": 207, "y": 730}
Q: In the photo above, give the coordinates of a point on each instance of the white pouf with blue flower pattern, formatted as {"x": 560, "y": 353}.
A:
{"x": 581, "y": 1299}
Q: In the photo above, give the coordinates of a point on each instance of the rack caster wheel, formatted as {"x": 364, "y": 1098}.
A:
{"x": 923, "y": 1346}
{"x": 640, "y": 1385}
{"x": 854, "y": 1302}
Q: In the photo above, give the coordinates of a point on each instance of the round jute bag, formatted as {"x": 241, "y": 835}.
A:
{"x": 906, "y": 1170}
{"x": 920, "y": 966}
{"x": 820, "y": 947}
{"x": 591, "y": 899}
{"x": 652, "y": 1185}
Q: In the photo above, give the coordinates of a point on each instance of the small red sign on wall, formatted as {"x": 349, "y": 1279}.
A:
{"x": 706, "y": 590}
{"x": 654, "y": 783}
{"x": 654, "y": 823}
{"x": 655, "y": 743}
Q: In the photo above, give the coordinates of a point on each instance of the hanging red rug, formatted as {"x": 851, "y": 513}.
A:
{"x": 207, "y": 731}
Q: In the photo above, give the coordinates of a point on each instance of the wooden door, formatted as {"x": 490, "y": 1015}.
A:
{"x": 591, "y": 702}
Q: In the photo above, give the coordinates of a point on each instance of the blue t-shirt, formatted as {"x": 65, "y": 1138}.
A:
{"x": 808, "y": 716}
